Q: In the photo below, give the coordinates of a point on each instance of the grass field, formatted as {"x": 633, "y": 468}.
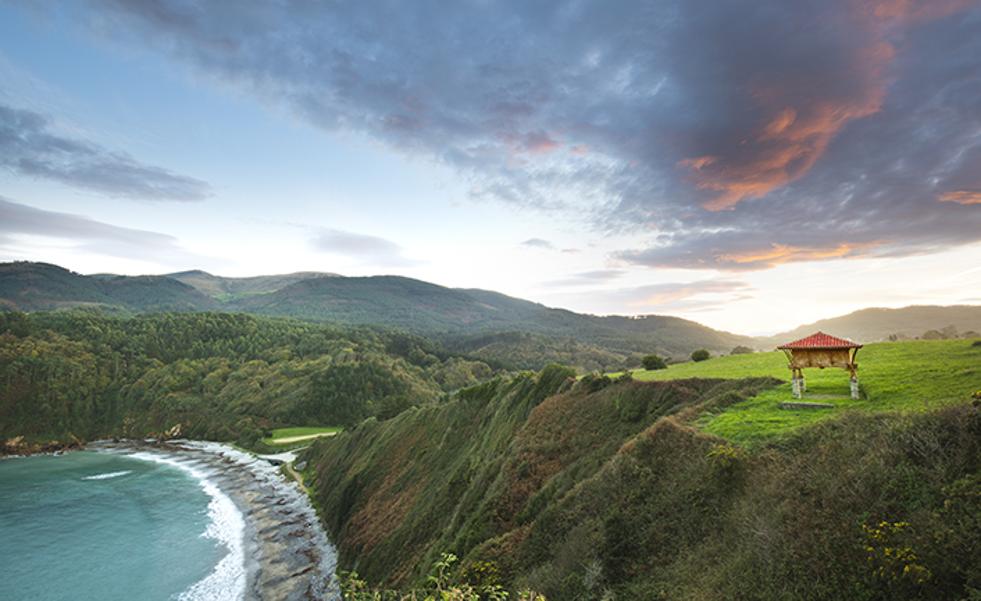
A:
{"x": 290, "y": 436}
{"x": 894, "y": 376}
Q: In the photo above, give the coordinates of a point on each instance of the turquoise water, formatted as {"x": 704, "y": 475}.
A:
{"x": 104, "y": 527}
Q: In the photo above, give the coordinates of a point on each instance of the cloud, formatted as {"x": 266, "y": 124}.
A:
{"x": 700, "y": 295}
{"x": 29, "y": 146}
{"x": 681, "y": 295}
{"x": 737, "y": 135}
{"x": 84, "y": 234}
{"x": 746, "y": 256}
{"x": 587, "y": 277}
{"x": 367, "y": 249}
{"x": 962, "y": 197}
{"x": 538, "y": 243}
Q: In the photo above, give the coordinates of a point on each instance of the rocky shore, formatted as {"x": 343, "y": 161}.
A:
{"x": 19, "y": 446}
{"x": 288, "y": 555}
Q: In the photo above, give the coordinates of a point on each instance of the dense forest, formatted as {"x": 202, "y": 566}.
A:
{"x": 600, "y": 489}
{"x": 220, "y": 376}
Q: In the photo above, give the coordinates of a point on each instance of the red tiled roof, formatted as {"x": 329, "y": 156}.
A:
{"x": 820, "y": 340}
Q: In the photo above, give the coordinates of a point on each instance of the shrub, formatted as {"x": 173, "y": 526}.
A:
{"x": 440, "y": 586}
{"x": 594, "y": 382}
{"x": 741, "y": 350}
{"x": 631, "y": 404}
{"x": 700, "y": 355}
{"x": 652, "y": 362}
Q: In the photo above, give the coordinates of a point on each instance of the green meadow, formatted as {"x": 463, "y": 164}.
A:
{"x": 911, "y": 376}
{"x": 289, "y": 436}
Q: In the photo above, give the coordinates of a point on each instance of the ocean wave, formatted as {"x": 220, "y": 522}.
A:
{"x": 227, "y": 526}
{"x": 108, "y": 475}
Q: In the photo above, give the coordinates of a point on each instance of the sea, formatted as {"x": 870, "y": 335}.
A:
{"x": 112, "y": 526}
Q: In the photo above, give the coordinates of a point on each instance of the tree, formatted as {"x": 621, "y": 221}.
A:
{"x": 741, "y": 350}
{"x": 652, "y": 362}
{"x": 700, "y": 355}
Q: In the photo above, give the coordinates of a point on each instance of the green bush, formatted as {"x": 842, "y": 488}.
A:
{"x": 442, "y": 584}
{"x": 652, "y": 362}
{"x": 594, "y": 382}
{"x": 700, "y": 355}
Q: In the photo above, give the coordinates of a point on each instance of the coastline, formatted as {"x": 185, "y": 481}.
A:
{"x": 286, "y": 552}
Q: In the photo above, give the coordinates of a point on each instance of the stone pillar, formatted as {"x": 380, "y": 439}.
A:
{"x": 795, "y": 385}
{"x": 854, "y": 387}
{"x": 803, "y": 383}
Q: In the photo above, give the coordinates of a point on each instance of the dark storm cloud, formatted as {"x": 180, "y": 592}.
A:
{"x": 29, "y": 146}
{"x": 368, "y": 249}
{"x": 742, "y": 134}
{"x": 85, "y": 234}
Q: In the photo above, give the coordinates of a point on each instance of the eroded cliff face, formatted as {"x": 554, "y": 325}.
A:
{"x": 579, "y": 490}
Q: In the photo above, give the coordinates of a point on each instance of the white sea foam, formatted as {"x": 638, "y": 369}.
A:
{"x": 227, "y": 526}
{"x": 108, "y": 475}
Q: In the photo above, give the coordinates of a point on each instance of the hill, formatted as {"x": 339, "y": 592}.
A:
{"x": 461, "y": 315}
{"x": 220, "y": 376}
{"x": 41, "y": 286}
{"x": 875, "y": 324}
{"x": 224, "y": 288}
{"x": 601, "y": 489}
{"x": 914, "y": 375}
{"x": 460, "y": 318}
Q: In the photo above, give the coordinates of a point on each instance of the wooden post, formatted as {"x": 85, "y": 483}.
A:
{"x": 853, "y": 371}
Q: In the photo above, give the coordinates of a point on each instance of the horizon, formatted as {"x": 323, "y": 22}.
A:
{"x": 747, "y": 178}
{"x": 758, "y": 334}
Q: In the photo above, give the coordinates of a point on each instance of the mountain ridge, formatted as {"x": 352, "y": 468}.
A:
{"x": 874, "y": 324}
{"x": 481, "y": 323}
{"x": 456, "y": 316}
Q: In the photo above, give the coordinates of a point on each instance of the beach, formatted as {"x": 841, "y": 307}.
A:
{"x": 276, "y": 546}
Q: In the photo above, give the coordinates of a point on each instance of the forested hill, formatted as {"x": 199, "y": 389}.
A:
{"x": 219, "y": 376}
{"x": 465, "y": 320}
{"x": 875, "y": 324}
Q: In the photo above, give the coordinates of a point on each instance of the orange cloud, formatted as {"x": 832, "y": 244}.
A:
{"x": 962, "y": 197}
{"x": 907, "y": 11}
{"x": 778, "y": 254}
{"x": 798, "y": 123}
{"x": 788, "y": 144}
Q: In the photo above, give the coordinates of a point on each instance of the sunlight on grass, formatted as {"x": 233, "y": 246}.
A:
{"x": 283, "y": 436}
{"x": 894, "y": 376}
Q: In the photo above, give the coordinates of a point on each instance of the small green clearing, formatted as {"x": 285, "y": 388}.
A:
{"x": 287, "y": 436}
{"x": 894, "y": 376}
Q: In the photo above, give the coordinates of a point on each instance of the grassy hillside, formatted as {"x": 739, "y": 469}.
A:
{"x": 903, "y": 376}
{"x": 220, "y": 376}
{"x": 873, "y": 325}
{"x": 598, "y": 489}
{"x": 454, "y": 476}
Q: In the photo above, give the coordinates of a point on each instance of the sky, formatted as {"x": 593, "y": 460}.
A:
{"x": 751, "y": 165}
